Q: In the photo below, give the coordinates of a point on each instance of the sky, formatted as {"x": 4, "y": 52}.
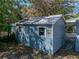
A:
{"x": 76, "y": 9}
{"x": 76, "y": 5}
{"x": 25, "y": 3}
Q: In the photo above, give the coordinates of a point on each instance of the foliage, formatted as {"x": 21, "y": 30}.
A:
{"x": 49, "y": 7}
{"x": 5, "y": 27}
{"x": 11, "y": 10}
{"x": 69, "y": 28}
{"x": 8, "y": 11}
{"x": 76, "y": 15}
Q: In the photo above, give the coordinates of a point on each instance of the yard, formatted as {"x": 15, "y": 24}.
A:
{"x": 9, "y": 49}
{"x": 12, "y": 50}
{"x": 12, "y": 11}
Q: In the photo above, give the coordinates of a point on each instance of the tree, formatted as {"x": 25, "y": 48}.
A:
{"x": 9, "y": 11}
{"x": 47, "y": 7}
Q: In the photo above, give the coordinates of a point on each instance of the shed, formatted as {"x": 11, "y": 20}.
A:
{"x": 45, "y": 33}
{"x": 77, "y": 37}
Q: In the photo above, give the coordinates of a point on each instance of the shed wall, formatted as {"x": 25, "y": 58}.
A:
{"x": 28, "y": 35}
{"x": 58, "y": 35}
{"x": 77, "y": 37}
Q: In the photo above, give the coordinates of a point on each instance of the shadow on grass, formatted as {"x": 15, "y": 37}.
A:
{"x": 7, "y": 41}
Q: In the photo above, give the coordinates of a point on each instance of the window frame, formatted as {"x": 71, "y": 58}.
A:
{"x": 44, "y": 31}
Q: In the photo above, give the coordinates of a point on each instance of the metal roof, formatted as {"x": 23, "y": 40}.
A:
{"x": 41, "y": 20}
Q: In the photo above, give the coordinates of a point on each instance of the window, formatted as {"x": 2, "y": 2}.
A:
{"x": 41, "y": 31}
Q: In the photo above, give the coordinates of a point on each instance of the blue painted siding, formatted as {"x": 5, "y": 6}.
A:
{"x": 29, "y": 36}
{"x": 36, "y": 41}
{"x": 77, "y": 37}
{"x": 58, "y": 35}
{"x": 77, "y": 27}
{"x": 49, "y": 43}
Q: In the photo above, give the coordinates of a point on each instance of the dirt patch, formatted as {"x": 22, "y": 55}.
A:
{"x": 22, "y": 52}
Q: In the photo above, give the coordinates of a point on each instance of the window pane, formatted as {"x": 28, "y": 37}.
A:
{"x": 41, "y": 31}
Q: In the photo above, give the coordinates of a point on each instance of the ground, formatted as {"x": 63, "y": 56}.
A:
{"x": 63, "y": 54}
{"x": 21, "y": 52}
{"x": 9, "y": 49}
